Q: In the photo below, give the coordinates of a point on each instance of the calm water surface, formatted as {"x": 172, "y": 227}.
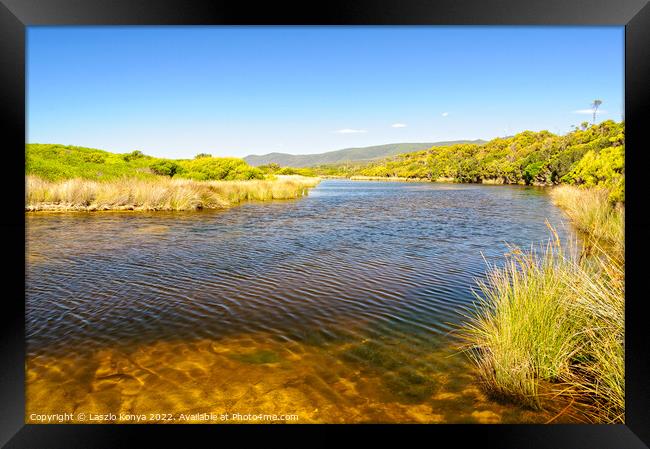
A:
{"x": 337, "y": 307}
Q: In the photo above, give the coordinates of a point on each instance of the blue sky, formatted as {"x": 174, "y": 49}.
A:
{"x": 234, "y": 91}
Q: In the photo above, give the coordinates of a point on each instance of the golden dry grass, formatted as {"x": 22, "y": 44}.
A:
{"x": 157, "y": 194}
{"x": 592, "y": 213}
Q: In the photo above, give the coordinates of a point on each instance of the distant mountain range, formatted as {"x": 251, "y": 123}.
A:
{"x": 347, "y": 154}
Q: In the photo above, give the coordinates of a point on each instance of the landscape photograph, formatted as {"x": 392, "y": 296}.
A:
{"x": 325, "y": 225}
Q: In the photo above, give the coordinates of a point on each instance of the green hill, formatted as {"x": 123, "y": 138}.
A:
{"x": 56, "y": 162}
{"x": 347, "y": 154}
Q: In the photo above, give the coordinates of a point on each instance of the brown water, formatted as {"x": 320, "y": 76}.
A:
{"x": 336, "y": 308}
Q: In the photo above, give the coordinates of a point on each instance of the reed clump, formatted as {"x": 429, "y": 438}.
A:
{"x": 158, "y": 194}
{"x": 549, "y": 323}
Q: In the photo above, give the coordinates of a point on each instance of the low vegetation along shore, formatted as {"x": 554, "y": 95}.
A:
{"x": 163, "y": 194}
{"x": 68, "y": 178}
{"x": 549, "y": 324}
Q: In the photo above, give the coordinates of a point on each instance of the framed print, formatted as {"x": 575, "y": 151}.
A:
{"x": 348, "y": 217}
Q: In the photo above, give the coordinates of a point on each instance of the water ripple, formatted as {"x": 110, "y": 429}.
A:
{"x": 368, "y": 272}
{"x": 376, "y": 253}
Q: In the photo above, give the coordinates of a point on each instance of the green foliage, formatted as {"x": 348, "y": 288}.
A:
{"x": 345, "y": 169}
{"x": 200, "y": 155}
{"x": 605, "y": 168}
{"x": 164, "y": 167}
{"x": 275, "y": 169}
{"x": 532, "y": 171}
{"x": 57, "y": 162}
{"x": 137, "y": 154}
{"x": 296, "y": 171}
{"x": 589, "y": 155}
{"x": 215, "y": 168}
{"x": 273, "y": 166}
{"x": 94, "y": 158}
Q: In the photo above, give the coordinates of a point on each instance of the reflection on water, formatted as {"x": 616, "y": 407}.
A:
{"x": 336, "y": 307}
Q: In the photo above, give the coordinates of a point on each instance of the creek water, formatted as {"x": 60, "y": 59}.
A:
{"x": 339, "y": 307}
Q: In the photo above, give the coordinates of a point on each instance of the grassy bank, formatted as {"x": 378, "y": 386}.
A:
{"x": 67, "y": 178}
{"x": 157, "y": 193}
{"x": 591, "y": 211}
{"x": 55, "y": 162}
{"x": 549, "y": 324}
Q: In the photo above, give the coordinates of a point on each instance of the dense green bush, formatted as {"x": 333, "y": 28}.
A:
{"x": 589, "y": 155}
{"x": 271, "y": 168}
{"x": 164, "y": 167}
{"x": 56, "y": 162}
{"x": 94, "y": 158}
{"x": 276, "y": 169}
{"x": 603, "y": 168}
{"x": 214, "y": 168}
{"x": 137, "y": 154}
{"x": 296, "y": 171}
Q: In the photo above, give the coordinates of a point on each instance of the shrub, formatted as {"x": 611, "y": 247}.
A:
{"x": 270, "y": 168}
{"x": 94, "y": 158}
{"x": 137, "y": 154}
{"x": 603, "y": 168}
{"x": 164, "y": 167}
{"x": 212, "y": 168}
{"x": 296, "y": 171}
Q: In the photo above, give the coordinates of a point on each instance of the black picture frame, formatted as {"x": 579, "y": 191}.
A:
{"x": 15, "y": 15}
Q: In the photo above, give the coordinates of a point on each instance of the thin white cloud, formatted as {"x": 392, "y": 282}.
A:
{"x": 398, "y": 125}
{"x": 589, "y": 111}
{"x": 350, "y": 131}
{"x": 445, "y": 114}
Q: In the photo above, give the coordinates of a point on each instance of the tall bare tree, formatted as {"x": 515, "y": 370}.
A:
{"x": 594, "y": 106}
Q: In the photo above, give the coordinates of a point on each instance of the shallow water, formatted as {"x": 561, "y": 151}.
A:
{"x": 337, "y": 307}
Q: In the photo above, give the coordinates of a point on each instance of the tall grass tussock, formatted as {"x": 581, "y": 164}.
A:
{"x": 549, "y": 323}
{"x": 159, "y": 193}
